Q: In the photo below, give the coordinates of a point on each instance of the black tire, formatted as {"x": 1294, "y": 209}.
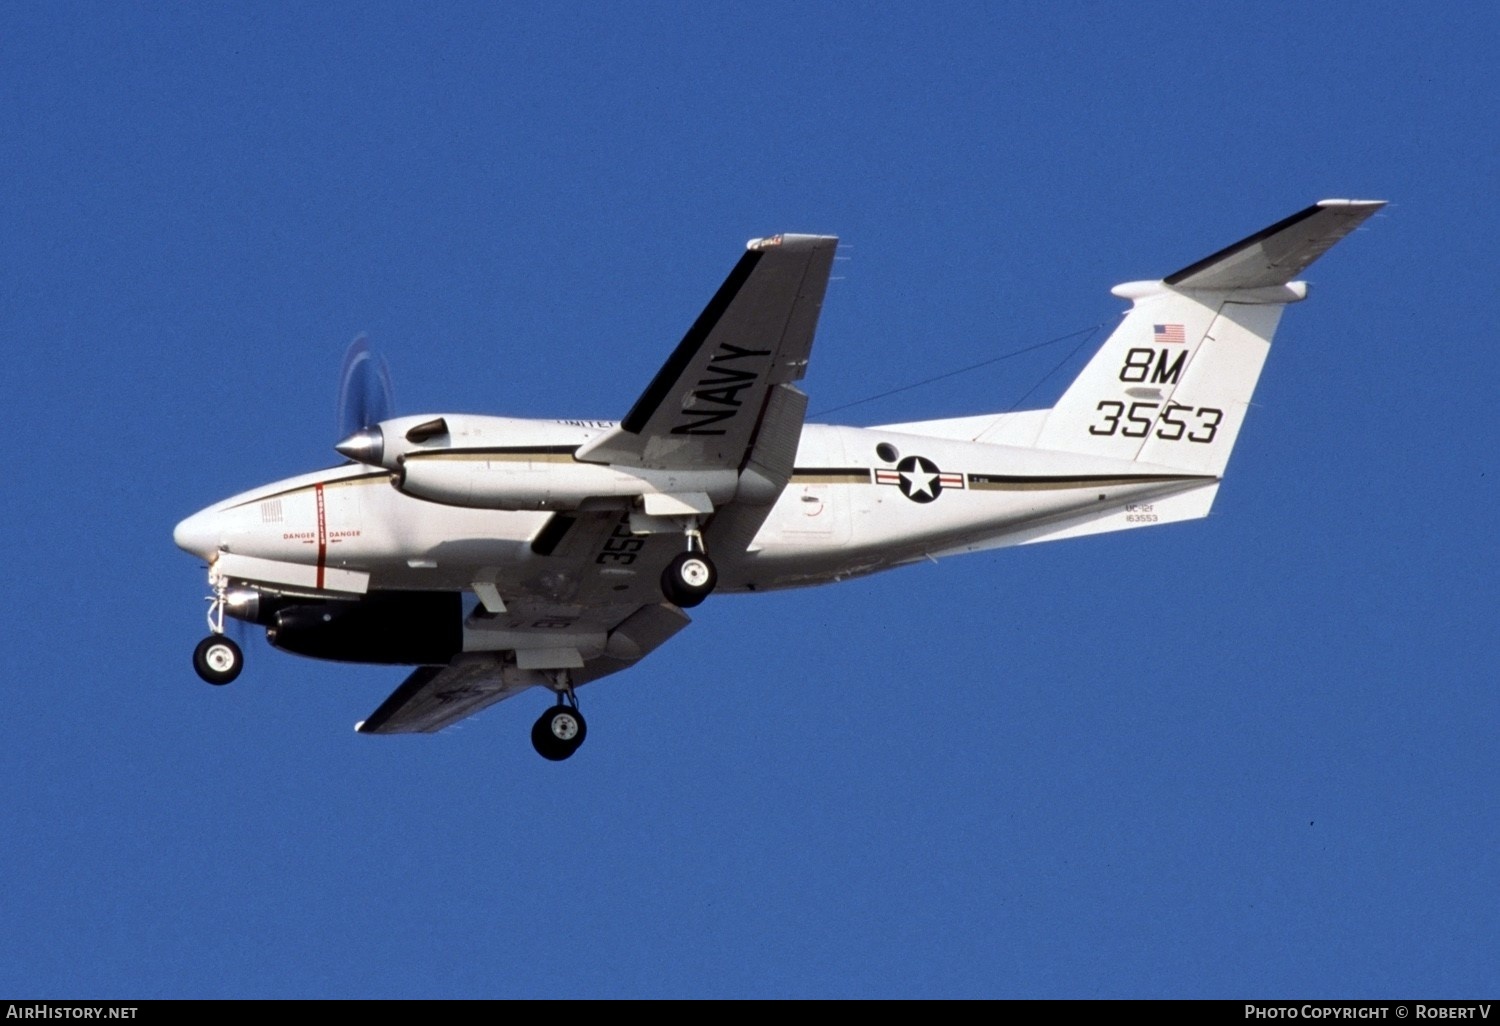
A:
{"x": 558, "y": 733}
{"x": 689, "y": 579}
{"x": 218, "y": 660}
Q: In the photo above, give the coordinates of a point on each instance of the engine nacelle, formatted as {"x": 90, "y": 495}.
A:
{"x": 406, "y": 627}
{"x": 545, "y": 481}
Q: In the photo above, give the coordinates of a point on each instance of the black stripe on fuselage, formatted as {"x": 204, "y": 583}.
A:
{"x": 498, "y": 454}
{"x": 1027, "y": 482}
{"x": 496, "y": 450}
{"x": 1012, "y": 482}
{"x": 661, "y": 386}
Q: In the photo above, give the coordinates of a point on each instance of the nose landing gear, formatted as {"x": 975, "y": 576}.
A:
{"x": 217, "y": 659}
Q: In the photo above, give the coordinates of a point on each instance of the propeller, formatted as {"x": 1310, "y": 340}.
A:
{"x": 364, "y": 401}
{"x": 364, "y": 388}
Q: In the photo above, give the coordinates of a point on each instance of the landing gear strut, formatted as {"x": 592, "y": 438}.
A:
{"x": 561, "y": 729}
{"x": 690, "y": 577}
{"x": 217, "y": 659}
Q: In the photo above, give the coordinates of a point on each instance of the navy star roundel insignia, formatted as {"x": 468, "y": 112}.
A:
{"x": 919, "y": 479}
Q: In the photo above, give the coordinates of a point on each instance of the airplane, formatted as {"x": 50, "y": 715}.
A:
{"x": 496, "y": 554}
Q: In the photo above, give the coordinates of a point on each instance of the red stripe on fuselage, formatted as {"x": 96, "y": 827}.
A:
{"x": 322, "y": 534}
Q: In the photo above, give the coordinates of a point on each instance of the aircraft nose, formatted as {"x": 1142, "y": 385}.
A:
{"x": 198, "y": 534}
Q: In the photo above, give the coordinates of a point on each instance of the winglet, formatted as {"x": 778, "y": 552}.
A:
{"x": 1278, "y": 254}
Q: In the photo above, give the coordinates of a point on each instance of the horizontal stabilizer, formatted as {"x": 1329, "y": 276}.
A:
{"x": 1278, "y": 254}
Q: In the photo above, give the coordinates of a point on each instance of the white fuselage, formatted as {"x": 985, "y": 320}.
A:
{"x": 499, "y": 554}
{"x": 858, "y": 501}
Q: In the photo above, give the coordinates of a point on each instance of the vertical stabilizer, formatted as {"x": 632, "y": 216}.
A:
{"x": 1171, "y": 386}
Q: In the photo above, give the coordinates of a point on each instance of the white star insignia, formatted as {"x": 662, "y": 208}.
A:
{"x": 919, "y": 480}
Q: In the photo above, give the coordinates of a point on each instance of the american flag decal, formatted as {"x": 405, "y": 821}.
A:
{"x": 1168, "y": 333}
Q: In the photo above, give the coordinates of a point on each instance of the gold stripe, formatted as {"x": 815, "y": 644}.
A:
{"x": 363, "y": 479}
{"x": 1063, "y": 485}
{"x": 494, "y": 457}
{"x": 830, "y": 479}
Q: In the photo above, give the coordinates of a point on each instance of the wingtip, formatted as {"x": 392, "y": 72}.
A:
{"x": 790, "y": 241}
{"x": 1356, "y": 203}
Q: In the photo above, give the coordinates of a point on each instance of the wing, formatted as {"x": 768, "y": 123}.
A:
{"x": 704, "y": 407}
{"x": 591, "y": 603}
{"x": 434, "y": 697}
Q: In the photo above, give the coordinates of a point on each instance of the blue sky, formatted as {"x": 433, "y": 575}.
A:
{"x": 1247, "y": 756}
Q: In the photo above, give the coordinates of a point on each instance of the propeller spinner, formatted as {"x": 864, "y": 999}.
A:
{"x": 364, "y": 401}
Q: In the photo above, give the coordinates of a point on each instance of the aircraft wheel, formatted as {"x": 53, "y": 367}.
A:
{"x": 558, "y": 733}
{"x": 688, "y": 579}
{"x": 218, "y": 660}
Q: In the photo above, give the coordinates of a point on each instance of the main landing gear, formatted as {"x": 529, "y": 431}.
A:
{"x": 561, "y": 729}
{"x": 690, "y": 577}
{"x": 217, "y": 659}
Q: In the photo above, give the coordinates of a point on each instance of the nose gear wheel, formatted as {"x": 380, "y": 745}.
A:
{"x": 217, "y": 659}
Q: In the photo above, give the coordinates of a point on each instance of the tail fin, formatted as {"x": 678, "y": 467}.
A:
{"x": 1171, "y": 386}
